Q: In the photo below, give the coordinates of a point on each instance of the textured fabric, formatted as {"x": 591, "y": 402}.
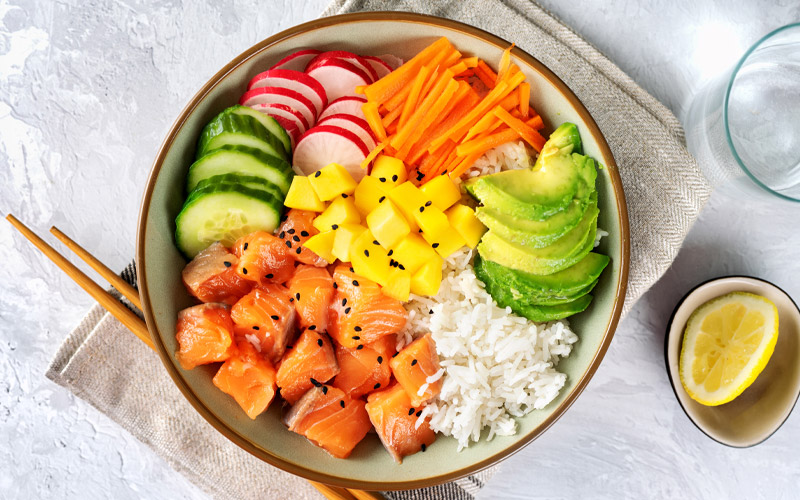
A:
{"x": 107, "y": 366}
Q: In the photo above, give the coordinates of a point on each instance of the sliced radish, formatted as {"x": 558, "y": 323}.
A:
{"x": 356, "y": 125}
{"x": 343, "y": 55}
{"x": 285, "y": 112}
{"x": 298, "y": 60}
{"x": 393, "y": 61}
{"x": 379, "y": 65}
{"x": 348, "y": 105}
{"x": 340, "y": 78}
{"x": 279, "y": 95}
{"x": 324, "y": 144}
{"x": 294, "y": 80}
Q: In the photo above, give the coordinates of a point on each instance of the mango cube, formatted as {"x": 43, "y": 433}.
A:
{"x": 442, "y": 191}
{"x": 447, "y": 243}
{"x": 412, "y": 252}
{"x": 321, "y": 244}
{"x": 302, "y": 196}
{"x": 408, "y": 199}
{"x": 387, "y": 224}
{"x": 346, "y": 236}
{"x": 369, "y": 259}
{"x": 463, "y": 220}
{"x": 432, "y": 221}
{"x": 340, "y": 211}
{"x": 332, "y": 181}
{"x": 398, "y": 284}
{"x": 369, "y": 193}
{"x": 428, "y": 278}
{"x": 389, "y": 171}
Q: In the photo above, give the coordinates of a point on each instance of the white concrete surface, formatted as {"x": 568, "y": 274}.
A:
{"x": 88, "y": 89}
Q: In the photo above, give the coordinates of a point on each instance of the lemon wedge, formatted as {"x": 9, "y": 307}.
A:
{"x": 727, "y": 342}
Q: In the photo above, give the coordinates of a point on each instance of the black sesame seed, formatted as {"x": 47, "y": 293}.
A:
{"x": 341, "y": 403}
{"x": 298, "y": 251}
{"x": 444, "y": 172}
{"x": 360, "y": 346}
{"x": 227, "y": 264}
{"x": 344, "y": 302}
{"x": 296, "y": 238}
{"x": 435, "y": 245}
{"x": 380, "y": 200}
{"x": 269, "y": 276}
{"x": 419, "y": 230}
{"x": 420, "y": 176}
{"x": 380, "y": 359}
{"x": 334, "y": 226}
{"x": 275, "y": 317}
{"x": 357, "y": 328}
{"x": 413, "y": 362}
{"x": 255, "y": 328}
{"x": 297, "y": 295}
{"x": 421, "y": 209}
{"x": 375, "y": 242}
{"x": 312, "y": 327}
{"x": 430, "y": 311}
{"x": 428, "y": 203}
{"x": 282, "y": 235}
{"x": 411, "y": 411}
{"x": 344, "y": 195}
{"x": 401, "y": 266}
{"x": 324, "y": 389}
{"x": 382, "y": 179}
{"x": 352, "y": 270}
{"x": 366, "y": 252}
{"x": 394, "y": 178}
{"x": 314, "y": 381}
{"x": 244, "y": 270}
{"x": 335, "y": 286}
{"x": 288, "y": 243}
{"x": 390, "y": 253}
{"x": 419, "y": 413}
{"x": 319, "y": 342}
{"x": 355, "y": 282}
{"x": 395, "y": 354}
{"x": 290, "y": 231}
{"x": 356, "y": 337}
{"x": 245, "y": 246}
{"x": 424, "y": 447}
{"x": 289, "y": 346}
{"x": 377, "y": 386}
{"x": 291, "y": 299}
{"x": 347, "y": 310}
{"x": 304, "y": 233}
{"x": 317, "y": 174}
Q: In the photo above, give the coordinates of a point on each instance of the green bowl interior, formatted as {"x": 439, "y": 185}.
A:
{"x": 161, "y": 265}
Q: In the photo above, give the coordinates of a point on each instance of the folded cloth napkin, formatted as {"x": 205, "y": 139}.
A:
{"x": 104, "y": 364}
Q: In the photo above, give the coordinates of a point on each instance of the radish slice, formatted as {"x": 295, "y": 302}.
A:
{"x": 286, "y": 112}
{"x": 290, "y": 127}
{"x": 324, "y": 144}
{"x": 343, "y": 55}
{"x": 393, "y": 61}
{"x": 294, "y": 80}
{"x": 379, "y": 65}
{"x": 340, "y": 78}
{"x": 356, "y": 125}
{"x": 279, "y": 95}
{"x": 298, "y": 60}
{"x": 347, "y": 105}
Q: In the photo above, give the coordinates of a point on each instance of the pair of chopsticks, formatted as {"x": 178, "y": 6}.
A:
{"x": 131, "y": 320}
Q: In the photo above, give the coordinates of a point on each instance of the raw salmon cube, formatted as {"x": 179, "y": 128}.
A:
{"x": 414, "y": 365}
{"x": 295, "y": 230}
{"x": 361, "y": 371}
{"x": 248, "y": 378}
{"x": 205, "y": 335}
{"x": 266, "y": 317}
{"x": 312, "y": 290}
{"x": 395, "y": 420}
{"x": 263, "y": 258}
{"x": 310, "y": 362}
{"x": 211, "y": 276}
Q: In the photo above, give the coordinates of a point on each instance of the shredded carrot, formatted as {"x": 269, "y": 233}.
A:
{"x": 484, "y": 77}
{"x": 397, "y": 100}
{"x": 427, "y": 112}
{"x": 373, "y": 117}
{"x": 360, "y": 89}
{"x": 488, "y": 102}
{"x": 486, "y": 143}
{"x": 485, "y": 69}
{"x": 411, "y": 103}
{"x": 373, "y": 154}
{"x": 466, "y": 74}
{"x": 465, "y": 164}
{"x": 464, "y": 100}
{"x": 391, "y": 117}
{"x": 471, "y": 62}
{"x": 524, "y": 98}
{"x": 536, "y": 123}
{"x": 505, "y": 64}
{"x": 390, "y": 84}
{"x": 481, "y": 125}
{"x": 530, "y": 136}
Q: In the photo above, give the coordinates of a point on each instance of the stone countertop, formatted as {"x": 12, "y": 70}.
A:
{"x": 88, "y": 90}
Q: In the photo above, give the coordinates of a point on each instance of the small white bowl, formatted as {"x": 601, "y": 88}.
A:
{"x": 762, "y": 408}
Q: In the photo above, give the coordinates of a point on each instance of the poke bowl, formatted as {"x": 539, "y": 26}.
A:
{"x": 264, "y": 434}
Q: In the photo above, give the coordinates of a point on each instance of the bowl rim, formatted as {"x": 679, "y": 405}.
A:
{"x": 323, "y": 477}
{"x": 668, "y": 337}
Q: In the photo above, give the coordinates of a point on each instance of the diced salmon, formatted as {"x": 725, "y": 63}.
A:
{"x": 395, "y": 419}
{"x": 296, "y": 229}
{"x": 330, "y": 419}
{"x": 205, "y": 335}
{"x": 267, "y": 315}
{"x": 312, "y": 289}
{"x": 360, "y": 313}
{"x": 263, "y": 258}
{"x": 248, "y": 378}
{"x": 413, "y": 365}
{"x": 211, "y": 276}
{"x": 310, "y": 362}
{"x": 362, "y": 371}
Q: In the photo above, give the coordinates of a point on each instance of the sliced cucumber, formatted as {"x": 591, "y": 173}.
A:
{"x": 224, "y": 213}
{"x": 268, "y": 123}
{"x": 242, "y": 160}
{"x": 247, "y": 181}
{"x": 242, "y": 130}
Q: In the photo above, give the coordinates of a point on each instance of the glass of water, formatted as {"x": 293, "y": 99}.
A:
{"x": 744, "y": 127}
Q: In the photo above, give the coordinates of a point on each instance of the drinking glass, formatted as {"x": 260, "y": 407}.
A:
{"x": 744, "y": 127}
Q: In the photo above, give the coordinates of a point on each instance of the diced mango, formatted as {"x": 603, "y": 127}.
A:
{"x": 369, "y": 193}
{"x": 389, "y": 171}
{"x": 332, "y": 181}
{"x": 463, "y": 220}
{"x": 322, "y": 244}
{"x": 412, "y": 252}
{"x": 408, "y": 199}
{"x": 302, "y": 196}
{"x": 387, "y": 224}
{"x": 346, "y": 236}
{"x": 427, "y": 279}
{"x": 398, "y": 284}
{"x": 369, "y": 259}
{"x": 442, "y": 191}
{"x": 432, "y": 221}
{"x": 340, "y": 211}
{"x": 447, "y": 243}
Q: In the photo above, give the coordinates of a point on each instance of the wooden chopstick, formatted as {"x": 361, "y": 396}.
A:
{"x": 116, "y": 281}
{"x": 133, "y": 322}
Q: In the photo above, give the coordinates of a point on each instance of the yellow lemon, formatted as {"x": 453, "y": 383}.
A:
{"x": 727, "y": 342}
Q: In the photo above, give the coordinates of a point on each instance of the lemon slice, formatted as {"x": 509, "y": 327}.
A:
{"x": 727, "y": 342}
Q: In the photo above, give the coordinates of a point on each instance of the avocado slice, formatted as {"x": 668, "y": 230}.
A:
{"x": 564, "y": 140}
{"x": 535, "y": 312}
{"x": 534, "y": 233}
{"x": 566, "y": 251}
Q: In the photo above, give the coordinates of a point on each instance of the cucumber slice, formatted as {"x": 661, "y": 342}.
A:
{"x": 268, "y": 123}
{"x": 224, "y": 213}
{"x": 242, "y": 160}
{"x": 233, "y": 129}
{"x": 247, "y": 181}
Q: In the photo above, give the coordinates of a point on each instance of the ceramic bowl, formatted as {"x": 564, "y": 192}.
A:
{"x": 762, "y": 408}
{"x": 160, "y": 264}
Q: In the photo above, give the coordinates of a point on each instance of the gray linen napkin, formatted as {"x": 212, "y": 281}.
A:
{"x": 104, "y": 364}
